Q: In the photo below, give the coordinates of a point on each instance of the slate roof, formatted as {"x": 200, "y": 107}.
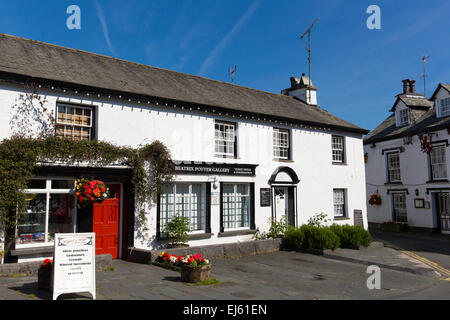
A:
{"x": 422, "y": 121}
{"x": 40, "y": 60}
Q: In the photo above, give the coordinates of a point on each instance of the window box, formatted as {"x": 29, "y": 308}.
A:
{"x": 236, "y": 233}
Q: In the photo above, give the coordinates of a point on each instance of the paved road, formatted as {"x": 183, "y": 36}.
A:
{"x": 433, "y": 247}
{"x": 280, "y": 275}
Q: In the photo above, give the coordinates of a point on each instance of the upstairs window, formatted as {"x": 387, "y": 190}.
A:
{"x": 393, "y": 165}
{"x": 403, "y": 117}
{"x": 444, "y": 107}
{"x": 225, "y": 139}
{"x": 281, "y": 149}
{"x": 438, "y": 163}
{"x": 74, "y": 122}
{"x": 337, "y": 146}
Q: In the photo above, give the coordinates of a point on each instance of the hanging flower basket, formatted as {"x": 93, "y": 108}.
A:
{"x": 45, "y": 275}
{"x": 89, "y": 192}
{"x": 375, "y": 199}
{"x": 425, "y": 144}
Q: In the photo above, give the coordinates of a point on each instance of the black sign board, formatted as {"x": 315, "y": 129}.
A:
{"x": 358, "y": 218}
{"x": 265, "y": 197}
{"x": 245, "y": 170}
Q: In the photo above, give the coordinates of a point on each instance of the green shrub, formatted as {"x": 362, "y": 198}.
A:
{"x": 352, "y": 236}
{"x": 311, "y": 237}
{"x": 177, "y": 230}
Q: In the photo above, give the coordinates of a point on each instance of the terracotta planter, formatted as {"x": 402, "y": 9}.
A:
{"x": 44, "y": 279}
{"x": 194, "y": 275}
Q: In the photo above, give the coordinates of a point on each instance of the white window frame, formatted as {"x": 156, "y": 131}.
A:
{"x": 339, "y": 203}
{"x": 223, "y": 137}
{"x": 202, "y": 201}
{"x": 399, "y": 207}
{"x": 403, "y": 117}
{"x": 281, "y": 143}
{"x": 73, "y": 125}
{"x": 393, "y": 171}
{"x": 338, "y": 149}
{"x": 438, "y": 162}
{"x": 235, "y": 196}
{"x": 48, "y": 191}
{"x": 444, "y": 106}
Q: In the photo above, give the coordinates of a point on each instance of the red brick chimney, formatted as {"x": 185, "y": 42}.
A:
{"x": 405, "y": 86}
{"x": 412, "y": 88}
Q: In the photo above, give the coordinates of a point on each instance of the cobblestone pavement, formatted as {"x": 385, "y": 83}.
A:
{"x": 280, "y": 276}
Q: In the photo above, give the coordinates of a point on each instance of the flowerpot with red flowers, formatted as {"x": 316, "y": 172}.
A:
{"x": 90, "y": 191}
{"x": 45, "y": 275}
{"x": 375, "y": 199}
{"x": 195, "y": 268}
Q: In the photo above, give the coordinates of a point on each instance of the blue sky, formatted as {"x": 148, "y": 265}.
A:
{"x": 358, "y": 71}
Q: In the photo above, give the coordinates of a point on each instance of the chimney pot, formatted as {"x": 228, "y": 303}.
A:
{"x": 405, "y": 86}
{"x": 412, "y": 88}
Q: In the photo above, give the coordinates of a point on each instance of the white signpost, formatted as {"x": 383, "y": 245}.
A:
{"x": 74, "y": 264}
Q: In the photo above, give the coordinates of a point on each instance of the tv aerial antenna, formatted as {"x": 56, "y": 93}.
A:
{"x": 232, "y": 72}
{"x": 308, "y": 31}
{"x": 424, "y": 76}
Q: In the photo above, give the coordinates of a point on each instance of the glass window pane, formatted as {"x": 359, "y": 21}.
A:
{"x": 61, "y": 214}
{"x": 63, "y": 184}
{"x": 31, "y": 226}
{"x": 37, "y": 184}
{"x": 236, "y": 206}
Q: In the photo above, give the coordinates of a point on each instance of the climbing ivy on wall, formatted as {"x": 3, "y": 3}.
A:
{"x": 20, "y": 156}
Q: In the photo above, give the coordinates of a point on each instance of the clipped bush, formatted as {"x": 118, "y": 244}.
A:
{"x": 311, "y": 237}
{"x": 352, "y": 237}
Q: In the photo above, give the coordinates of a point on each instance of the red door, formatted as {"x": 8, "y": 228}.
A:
{"x": 106, "y": 224}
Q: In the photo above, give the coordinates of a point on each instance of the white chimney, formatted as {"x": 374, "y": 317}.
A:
{"x": 302, "y": 89}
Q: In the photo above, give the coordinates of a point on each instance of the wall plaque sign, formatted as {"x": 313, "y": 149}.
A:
{"x": 358, "y": 218}
{"x": 264, "y": 197}
{"x": 226, "y": 169}
{"x": 74, "y": 264}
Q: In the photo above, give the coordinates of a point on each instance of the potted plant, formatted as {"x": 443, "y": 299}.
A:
{"x": 195, "y": 268}
{"x": 45, "y": 275}
{"x": 88, "y": 192}
{"x": 177, "y": 232}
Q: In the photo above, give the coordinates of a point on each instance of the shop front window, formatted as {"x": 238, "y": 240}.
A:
{"x": 48, "y": 211}
{"x": 186, "y": 200}
{"x": 236, "y": 206}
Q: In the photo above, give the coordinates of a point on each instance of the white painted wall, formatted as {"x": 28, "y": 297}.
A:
{"x": 414, "y": 168}
{"x": 190, "y": 136}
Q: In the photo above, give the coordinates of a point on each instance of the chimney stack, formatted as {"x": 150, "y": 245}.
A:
{"x": 412, "y": 88}
{"x": 405, "y": 86}
{"x": 409, "y": 86}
